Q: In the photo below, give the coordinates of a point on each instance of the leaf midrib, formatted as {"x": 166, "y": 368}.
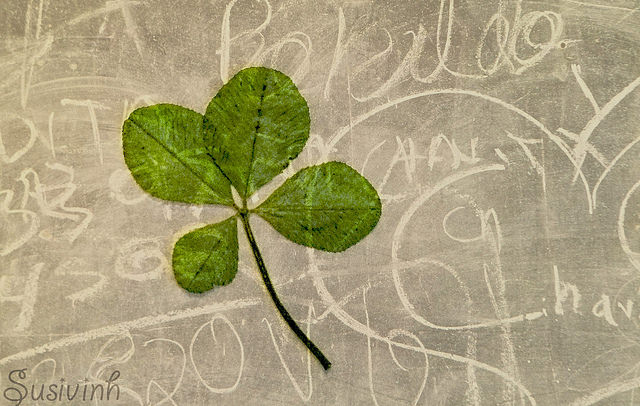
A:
{"x": 205, "y": 262}
{"x": 253, "y": 145}
{"x": 177, "y": 158}
{"x": 305, "y": 208}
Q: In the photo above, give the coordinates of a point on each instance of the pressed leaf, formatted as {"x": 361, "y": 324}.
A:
{"x": 207, "y": 256}
{"x": 165, "y": 151}
{"x": 328, "y": 207}
{"x": 256, "y": 124}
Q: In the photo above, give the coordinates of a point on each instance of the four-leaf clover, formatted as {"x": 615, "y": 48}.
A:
{"x": 256, "y": 124}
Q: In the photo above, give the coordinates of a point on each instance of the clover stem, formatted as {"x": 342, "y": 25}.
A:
{"x": 274, "y": 296}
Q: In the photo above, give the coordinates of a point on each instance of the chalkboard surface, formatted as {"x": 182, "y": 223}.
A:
{"x": 502, "y": 136}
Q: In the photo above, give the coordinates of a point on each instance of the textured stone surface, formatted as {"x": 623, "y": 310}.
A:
{"x": 502, "y": 137}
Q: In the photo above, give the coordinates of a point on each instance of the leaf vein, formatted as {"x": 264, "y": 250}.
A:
{"x": 305, "y": 208}
{"x": 253, "y": 145}
{"x": 204, "y": 262}
{"x": 177, "y": 158}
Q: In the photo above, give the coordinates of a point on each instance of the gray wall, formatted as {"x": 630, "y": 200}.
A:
{"x": 502, "y": 137}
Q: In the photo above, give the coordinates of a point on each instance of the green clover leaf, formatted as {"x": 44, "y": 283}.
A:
{"x": 329, "y": 207}
{"x": 165, "y": 150}
{"x": 256, "y": 124}
{"x": 207, "y": 256}
{"x": 253, "y": 127}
